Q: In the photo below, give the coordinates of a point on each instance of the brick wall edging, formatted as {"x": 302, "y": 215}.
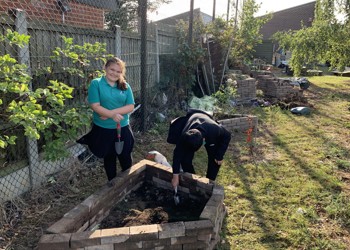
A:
{"x": 70, "y": 231}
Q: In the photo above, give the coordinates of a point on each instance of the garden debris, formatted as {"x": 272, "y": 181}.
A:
{"x": 303, "y": 83}
{"x": 345, "y": 72}
{"x": 160, "y": 117}
{"x": 158, "y": 157}
{"x": 301, "y": 110}
{"x": 206, "y": 103}
{"x": 233, "y": 75}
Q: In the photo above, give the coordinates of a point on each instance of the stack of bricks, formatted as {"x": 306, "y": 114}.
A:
{"x": 241, "y": 123}
{"x": 75, "y": 229}
{"x": 274, "y": 87}
{"x": 234, "y": 71}
{"x": 246, "y": 89}
{"x": 256, "y": 73}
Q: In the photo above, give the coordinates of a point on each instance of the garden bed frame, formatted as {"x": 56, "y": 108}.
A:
{"x": 75, "y": 230}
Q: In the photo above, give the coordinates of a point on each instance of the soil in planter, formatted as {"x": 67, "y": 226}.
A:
{"x": 152, "y": 205}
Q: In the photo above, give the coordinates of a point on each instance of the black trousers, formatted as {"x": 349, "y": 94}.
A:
{"x": 101, "y": 142}
{"x": 125, "y": 158}
{"x": 212, "y": 169}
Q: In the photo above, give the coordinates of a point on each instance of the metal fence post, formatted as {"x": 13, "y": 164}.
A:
{"x": 118, "y": 41}
{"x": 24, "y": 58}
{"x": 157, "y": 54}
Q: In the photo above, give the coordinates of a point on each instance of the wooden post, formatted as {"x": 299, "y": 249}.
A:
{"x": 229, "y": 47}
{"x": 190, "y": 25}
{"x": 228, "y": 10}
{"x": 214, "y": 7}
{"x": 157, "y": 54}
{"x": 210, "y": 64}
{"x": 143, "y": 12}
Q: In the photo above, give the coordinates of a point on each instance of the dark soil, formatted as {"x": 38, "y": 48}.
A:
{"x": 152, "y": 205}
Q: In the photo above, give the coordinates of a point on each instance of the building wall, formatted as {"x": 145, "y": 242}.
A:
{"x": 284, "y": 20}
{"x": 80, "y": 15}
{"x": 264, "y": 51}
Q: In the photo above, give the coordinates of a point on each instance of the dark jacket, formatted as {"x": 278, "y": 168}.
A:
{"x": 214, "y": 134}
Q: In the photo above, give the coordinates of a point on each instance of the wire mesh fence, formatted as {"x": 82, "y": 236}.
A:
{"x": 68, "y": 41}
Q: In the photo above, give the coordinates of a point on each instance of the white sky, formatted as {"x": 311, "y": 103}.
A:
{"x": 206, "y": 6}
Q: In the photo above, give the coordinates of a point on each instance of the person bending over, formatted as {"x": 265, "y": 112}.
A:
{"x": 189, "y": 133}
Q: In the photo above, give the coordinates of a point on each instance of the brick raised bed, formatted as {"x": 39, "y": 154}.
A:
{"x": 74, "y": 229}
{"x": 240, "y": 123}
{"x": 274, "y": 87}
{"x": 246, "y": 90}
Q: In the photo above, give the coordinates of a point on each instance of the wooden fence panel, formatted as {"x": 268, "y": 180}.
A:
{"x": 167, "y": 39}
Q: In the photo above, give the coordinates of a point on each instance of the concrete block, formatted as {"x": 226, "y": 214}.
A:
{"x": 145, "y": 232}
{"x": 197, "y": 246}
{"x": 209, "y": 213}
{"x": 169, "y": 230}
{"x": 54, "y": 241}
{"x": 152, "y": 244}
{"x": 101, "y": 247}
{"x": 84, "y": 239}
{"x": 115, "y": 235}
{"x": 194, "y": 228}
{"x": 183, "y": 240}
{"x": 129, "y": 245}
{"x": 64, "y": 225}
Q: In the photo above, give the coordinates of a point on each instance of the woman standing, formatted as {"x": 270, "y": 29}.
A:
{"x": 111, "y": 99}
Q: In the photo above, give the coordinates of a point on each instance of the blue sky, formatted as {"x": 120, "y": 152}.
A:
{"x": 206, "y": 6}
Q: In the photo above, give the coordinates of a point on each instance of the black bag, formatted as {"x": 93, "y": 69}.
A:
{"x": 177, "y": 125}
{"x": 175, "y": 129}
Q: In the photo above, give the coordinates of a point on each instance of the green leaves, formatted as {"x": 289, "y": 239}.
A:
{"x": 244, "y": 34}
{"x": 327, "y": 40}
{"x": 14, "y": 38}
{"x": 224, "y": 96}
{"x": 13, "y": 76}
{"x": 190, "y": 55}
{"x": 6, "y": 140}
{"x": 47, "y": 111}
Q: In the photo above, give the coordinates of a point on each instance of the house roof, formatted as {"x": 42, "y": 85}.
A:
{"x": 186, "y": 16}
{"x": 105, "y": 4}
{"x": 289, "y": 19}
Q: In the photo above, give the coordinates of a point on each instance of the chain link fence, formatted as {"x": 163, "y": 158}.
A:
{"x": 58, "y": 30}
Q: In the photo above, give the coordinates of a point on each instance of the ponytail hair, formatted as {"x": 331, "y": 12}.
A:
{"x": 121, "y": 82}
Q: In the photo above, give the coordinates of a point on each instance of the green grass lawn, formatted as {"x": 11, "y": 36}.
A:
{"x": 292, "y": 190}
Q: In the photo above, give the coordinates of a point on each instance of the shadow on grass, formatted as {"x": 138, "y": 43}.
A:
{"x": 269, "y": 237}
{"x": 328, "y": 183}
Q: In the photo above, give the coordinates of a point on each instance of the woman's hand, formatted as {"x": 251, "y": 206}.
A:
{"x": 175, "y": 180}
{"x": 118, "y": 117}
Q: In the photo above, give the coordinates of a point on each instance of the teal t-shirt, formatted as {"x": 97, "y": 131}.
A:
{"x": 110, "y": 98}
